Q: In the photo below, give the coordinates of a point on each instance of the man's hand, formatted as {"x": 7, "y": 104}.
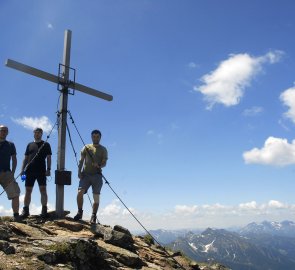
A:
{"x": 48, "y": 173}
{"x": 96, "y": 165}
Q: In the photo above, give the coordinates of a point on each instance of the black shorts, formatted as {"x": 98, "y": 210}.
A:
{"x": 32, "y": 177}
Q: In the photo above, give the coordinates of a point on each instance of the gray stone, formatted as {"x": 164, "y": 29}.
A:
{"x": 4, "y": 233}
{"x": 100, "y": 230}
{"x": 72, "y": 226}
{"x": 48, "y": 257}
{"x": 121, "y": 229}
{"x": 6, "y": 247}
{"x": 120, "y": 239}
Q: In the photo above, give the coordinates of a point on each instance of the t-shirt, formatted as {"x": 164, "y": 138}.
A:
{"x": 38, "y": 165}
{"x": 97, "y": 154}
{"x": 7, "y": 149}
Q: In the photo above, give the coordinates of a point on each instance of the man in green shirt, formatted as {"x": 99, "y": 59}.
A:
{"x": 93, "y": 157}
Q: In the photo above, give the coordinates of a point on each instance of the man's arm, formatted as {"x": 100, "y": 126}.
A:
{"x": 103, "y": 163}
{"x": 14, "y": 163}
{"x": 25, "y": 162}
{"x": 48, "y": 158}
{"x": 104, "y": 159}
{"x": 81, "y": 162}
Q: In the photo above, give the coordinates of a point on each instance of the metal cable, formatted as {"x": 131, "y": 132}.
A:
{"x": 75, "y": 153}
{"x": 108, "y": 183}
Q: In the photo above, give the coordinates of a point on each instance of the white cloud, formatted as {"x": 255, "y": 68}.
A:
{"x": 273, "y": 57}
{"x": 111, "y": 209}
{"x": 5, "y": 212}
{"x": 49, "y": 26}
{"x": 199, "y": 216}
{"x": 34, "y": 209}
{"x": 253, "y": 111}
{"x": 248, "y": 206}
{"x": 213, "y": 207}
{"x": 184, "y": 209}
{"x": 192, "y": 65}
{"x": 281, "y": 123}
{"x": 150, "y": 132}
{"x": 226, "y": 84}
{"x": 288, "y": 98}
{"x": 157, "y": 135}
{"x": 32, "y": 122}
{"x": 276, "y": 151}
{"x": 126, "y": 212}
{"x": 185, "y": 216}
{"x": 276, "y": 205}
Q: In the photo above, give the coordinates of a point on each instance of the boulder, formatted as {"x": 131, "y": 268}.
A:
{"x": 6, "y": 247}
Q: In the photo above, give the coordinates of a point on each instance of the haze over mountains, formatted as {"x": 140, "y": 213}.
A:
{"x": 257, "y": 246}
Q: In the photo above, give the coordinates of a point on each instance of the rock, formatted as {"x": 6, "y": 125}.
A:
{"x": 120, "y": 239}
{"x": 121, "y": 229}
{"x": 66, "y": 244}
{"x": 48, "y": 257}
{"x": 100, "y": 230}
{"x": 4, "y": 232}
{"x": 72, "y": 226}
{"x": 6, "y": 247}
{"x": 26, "y": 230}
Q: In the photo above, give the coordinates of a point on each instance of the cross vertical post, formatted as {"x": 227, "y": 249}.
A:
{"x": 59, "y": 205}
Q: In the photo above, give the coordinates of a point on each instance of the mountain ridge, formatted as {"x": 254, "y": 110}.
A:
{"x": 266, "y": 245}
{"x": 66, "y": 244}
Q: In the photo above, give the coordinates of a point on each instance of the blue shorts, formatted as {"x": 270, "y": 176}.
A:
{"x": 94, "y": 180}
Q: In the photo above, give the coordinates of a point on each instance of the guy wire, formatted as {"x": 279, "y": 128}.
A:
{"x": 108, "y": 183}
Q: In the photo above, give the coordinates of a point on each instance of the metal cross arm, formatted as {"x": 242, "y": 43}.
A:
{"x": 55, "y": 79}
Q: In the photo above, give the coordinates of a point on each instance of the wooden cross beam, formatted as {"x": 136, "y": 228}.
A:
{"x": 66, "y": 84}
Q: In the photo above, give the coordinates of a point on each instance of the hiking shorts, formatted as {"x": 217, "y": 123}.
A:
{"x": 32, "y": 177}
{"x": 94, "y": 180}
{"x": 9, "y": 184}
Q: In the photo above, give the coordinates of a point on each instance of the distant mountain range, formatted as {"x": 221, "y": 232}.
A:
{"x": 168, "y": 236}
{"x": 284, "y": 228}
{"x": 257, "y": 246}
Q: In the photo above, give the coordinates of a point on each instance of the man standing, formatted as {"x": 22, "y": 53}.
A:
{"x": 34, "y": 166}
{"x": 7, "y": 180}
{"x": 93, "y": 157}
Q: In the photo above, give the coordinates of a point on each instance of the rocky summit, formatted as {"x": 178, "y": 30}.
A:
{"x": 48, "y": 244}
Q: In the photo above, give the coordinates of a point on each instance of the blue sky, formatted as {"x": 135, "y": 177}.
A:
{"x": 200, "y": 131}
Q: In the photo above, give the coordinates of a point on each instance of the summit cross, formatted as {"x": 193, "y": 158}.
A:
{"x": 66, "y": 84}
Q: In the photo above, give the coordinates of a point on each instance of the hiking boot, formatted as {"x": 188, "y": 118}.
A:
{"x": 25, "y": 213}
{"x": 79, "y": 215}
{"x": 93, "y": 219}
{"x": 44, "y": 212}
{"x": 17, "y": 217}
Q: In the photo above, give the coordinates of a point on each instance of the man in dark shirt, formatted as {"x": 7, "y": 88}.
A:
{"x": 7, "y": 180}
{"x": 34, "y": 166}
